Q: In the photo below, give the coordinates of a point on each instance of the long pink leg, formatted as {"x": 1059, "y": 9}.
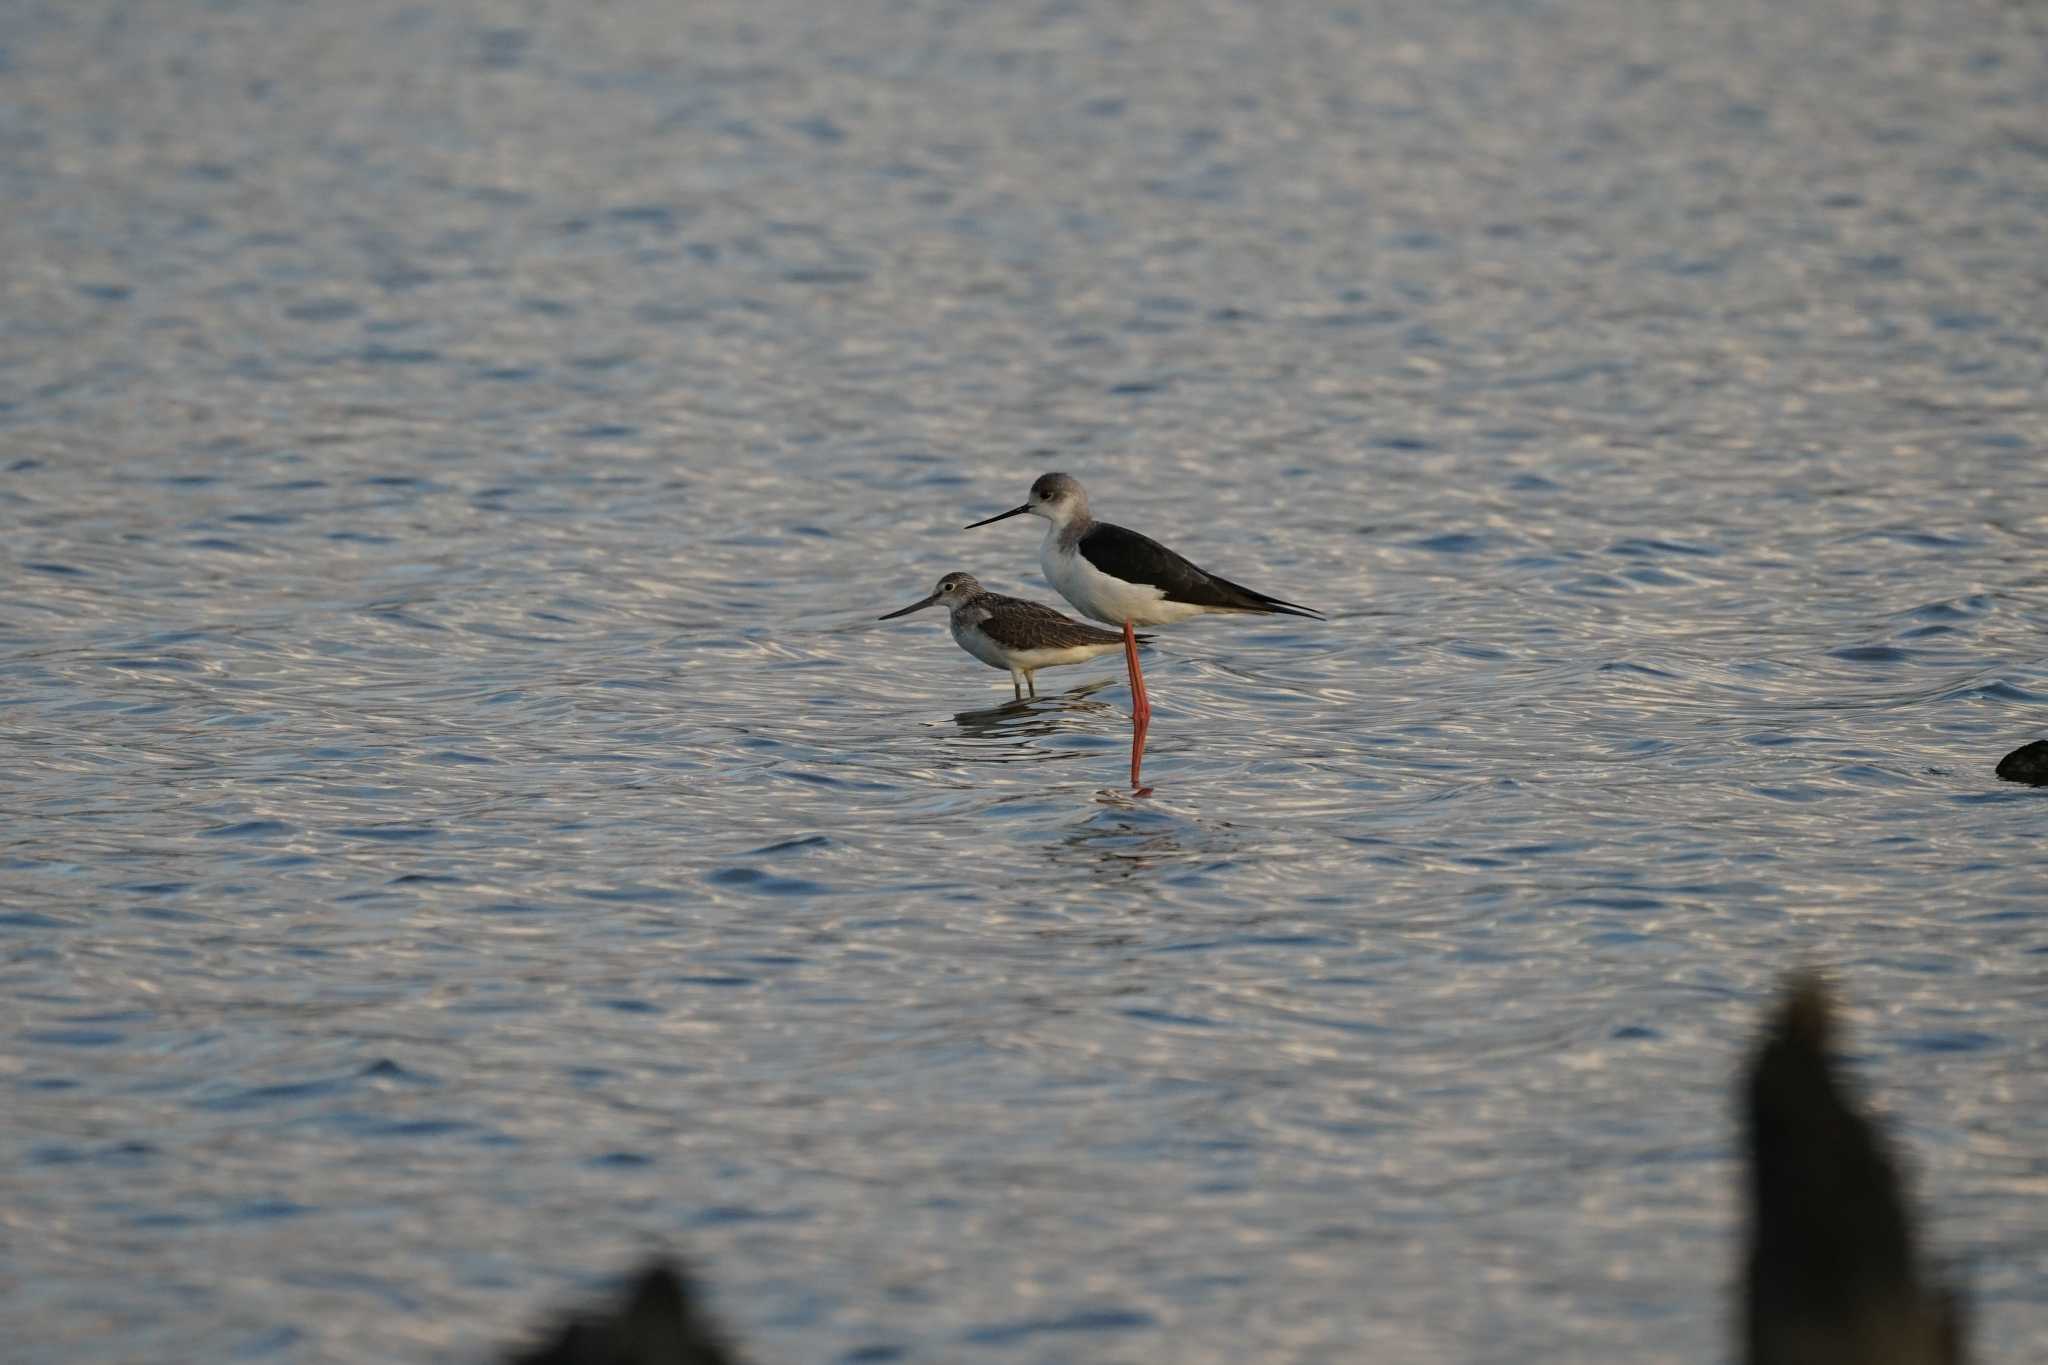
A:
{"x": 1141, "y": 705}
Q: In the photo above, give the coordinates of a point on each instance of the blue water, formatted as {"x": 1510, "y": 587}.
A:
{"x": 465, "y": 825}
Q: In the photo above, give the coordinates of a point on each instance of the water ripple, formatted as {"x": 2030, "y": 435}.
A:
{"x": 449, "y": 734}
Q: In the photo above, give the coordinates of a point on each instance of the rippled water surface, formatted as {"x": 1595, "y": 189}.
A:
{"x": 465, "y": 824}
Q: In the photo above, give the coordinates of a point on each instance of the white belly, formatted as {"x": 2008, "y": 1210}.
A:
{"x": 1107, "y": 599}
{"x": 980, "y": 646}
{"x": 994, "y": 655}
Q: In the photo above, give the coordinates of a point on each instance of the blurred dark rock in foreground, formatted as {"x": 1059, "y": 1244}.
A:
{"x": 1831, "y": 1276}
{"x": 655, "y": 1322}
{"x": 2028, "y": 764}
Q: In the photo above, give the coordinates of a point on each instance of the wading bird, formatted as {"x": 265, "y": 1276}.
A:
{"x": 1128, "y": 580}
{"x": 1009, "y": 632}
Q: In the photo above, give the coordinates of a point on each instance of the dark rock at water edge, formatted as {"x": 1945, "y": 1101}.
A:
{"x": 1831, "y": 1270}
{"x": 655, "y": 1322}
{"x": 2028, "y": 764}
{"x": 1832, "y": 1274}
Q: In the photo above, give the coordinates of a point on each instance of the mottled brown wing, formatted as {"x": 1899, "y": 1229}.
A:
{"x": 1015, "y": 623}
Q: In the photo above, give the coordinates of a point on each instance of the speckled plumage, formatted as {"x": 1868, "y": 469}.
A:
{"x": 1015, "y": 623}
{"x": 1013, "y": 633}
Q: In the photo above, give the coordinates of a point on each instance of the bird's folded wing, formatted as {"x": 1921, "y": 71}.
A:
{"x": 1033, "y": 625}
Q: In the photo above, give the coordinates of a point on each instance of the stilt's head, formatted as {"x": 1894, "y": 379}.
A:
{"x": 953, "y": 589}
{"x": 1059, "y": 498}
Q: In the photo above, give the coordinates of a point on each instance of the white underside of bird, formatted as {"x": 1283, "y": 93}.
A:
{"x": 968, "y": 635}
{"x": 1094, "y": 593}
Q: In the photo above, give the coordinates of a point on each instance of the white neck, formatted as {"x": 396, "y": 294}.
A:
{"x": 1066, "y": 513}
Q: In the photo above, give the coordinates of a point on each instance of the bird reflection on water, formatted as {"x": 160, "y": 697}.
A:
{"x": 1120, "y": 843}
{"x": 1036, "y": 716}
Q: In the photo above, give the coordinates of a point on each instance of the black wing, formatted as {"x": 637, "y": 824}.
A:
{"x": 1015, "y": 623}
{"x": 1125, "y": 554}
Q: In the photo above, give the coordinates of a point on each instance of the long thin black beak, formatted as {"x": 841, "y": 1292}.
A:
{"x": 914, "y": 606}
{"x": 1013, "y": 512}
